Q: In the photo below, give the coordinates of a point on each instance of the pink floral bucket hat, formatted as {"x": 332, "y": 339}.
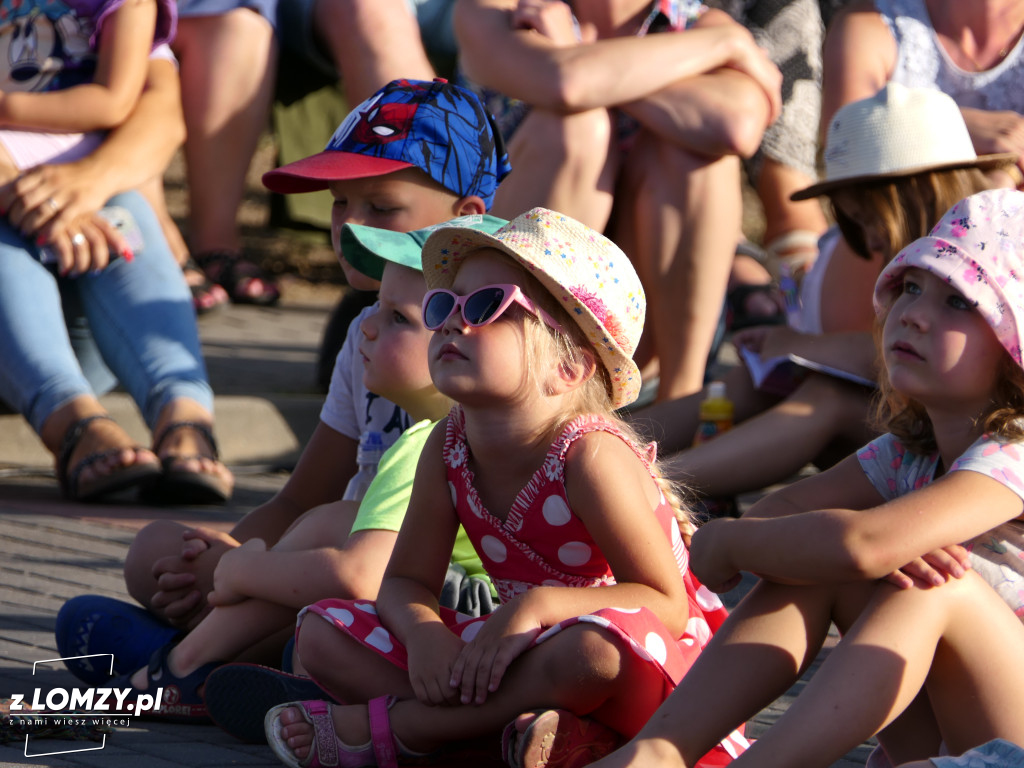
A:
{"x": 978, "y": 248}
{"x": 592, "y": 278}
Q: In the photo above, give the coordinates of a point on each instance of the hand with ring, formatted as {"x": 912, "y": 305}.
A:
{"x": 86, "y": 245}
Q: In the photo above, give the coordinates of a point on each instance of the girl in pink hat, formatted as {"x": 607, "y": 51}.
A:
{"x": 912, "y": 545}
{"x": 535, "y": 327}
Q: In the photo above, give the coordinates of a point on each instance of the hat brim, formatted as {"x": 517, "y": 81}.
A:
{"x": 314, "y": 173}
{"x": 982, "y": 163}
{"x": 440, "y": 268}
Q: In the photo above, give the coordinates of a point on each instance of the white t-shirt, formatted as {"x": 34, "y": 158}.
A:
{"x": 998, "y": 554}
{"x": 350, "y": 408}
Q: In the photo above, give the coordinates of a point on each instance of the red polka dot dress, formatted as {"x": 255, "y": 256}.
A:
{"x": 542, "y": 543}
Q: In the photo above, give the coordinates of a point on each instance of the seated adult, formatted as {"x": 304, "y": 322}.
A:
{"x": 137, "y": 307}
{"x": 633, "y": 133}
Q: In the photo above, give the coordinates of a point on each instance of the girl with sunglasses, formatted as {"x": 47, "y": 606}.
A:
{"x": 534, "y": 328}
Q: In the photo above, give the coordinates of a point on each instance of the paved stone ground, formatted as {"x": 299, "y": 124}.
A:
{"x": 261, "y": 362}
{"x": 51, "y": 550}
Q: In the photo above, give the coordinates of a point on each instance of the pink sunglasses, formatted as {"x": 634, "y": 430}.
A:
{"x": 482, "y": 306}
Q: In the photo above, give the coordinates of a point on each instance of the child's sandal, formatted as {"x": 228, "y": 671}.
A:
{"x": 327, "y": 749}
{"x": 556, "y": 738}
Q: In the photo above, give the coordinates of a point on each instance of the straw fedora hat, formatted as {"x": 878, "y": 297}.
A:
{"x": 897, "y": 132}
{"x": 591, "y": 277}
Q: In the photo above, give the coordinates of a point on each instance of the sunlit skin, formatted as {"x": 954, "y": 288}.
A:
{"x": 393, "y": 338}
{"x": 937, "y": 348}
{"x": 401, "y": 201}
{"x": 488, "y": 359}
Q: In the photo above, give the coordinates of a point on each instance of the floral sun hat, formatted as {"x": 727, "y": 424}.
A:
{"x": 978, "y": 248}
{"x": 592, "y": 278}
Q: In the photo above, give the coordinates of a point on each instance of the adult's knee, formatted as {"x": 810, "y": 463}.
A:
{"x": 576, "y": 143}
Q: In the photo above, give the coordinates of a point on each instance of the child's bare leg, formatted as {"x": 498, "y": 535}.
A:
{"x": 761, "y": 650}
{"x": 673, "y": 423}
{"x": 563, "y": 162}
{"x": 960, "y": 640}
{"x": 679, "y": 218}
{"x": 583, "y": 669}
{"x": 820, "y": 410}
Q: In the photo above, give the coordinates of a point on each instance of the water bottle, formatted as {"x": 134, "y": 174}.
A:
{"x": 371, "y": 448}
{"x": 716, "y": 413}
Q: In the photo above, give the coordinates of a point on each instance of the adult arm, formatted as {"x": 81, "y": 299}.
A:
{"x": 134, "y": 152}
{"x": 720, "y": 112}
{"x": 124, "y": 43}
{"x": 527, "y": 65}
{"x": 859, "y": 55}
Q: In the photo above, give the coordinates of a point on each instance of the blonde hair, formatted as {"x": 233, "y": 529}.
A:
{"x": 570, "y": 348}
{"x": 907, "y": 207}
{"x": 907, "y": 419}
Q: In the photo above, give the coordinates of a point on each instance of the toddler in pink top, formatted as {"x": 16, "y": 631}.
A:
{"x": 534, "y": 330}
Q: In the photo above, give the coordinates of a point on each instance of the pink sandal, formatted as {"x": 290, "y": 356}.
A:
{"x": 327, "y": 749}
{"x": 556, "y": 738}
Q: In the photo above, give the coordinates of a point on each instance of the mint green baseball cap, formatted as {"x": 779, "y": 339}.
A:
{"x": 367, "y": 248}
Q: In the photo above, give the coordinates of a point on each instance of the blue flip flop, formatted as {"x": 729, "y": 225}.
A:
{"x": 90, "y": 626}
{"x": 238, "y": 697}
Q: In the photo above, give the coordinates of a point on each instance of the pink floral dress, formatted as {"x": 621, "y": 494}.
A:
{"x": 542, "y": 543}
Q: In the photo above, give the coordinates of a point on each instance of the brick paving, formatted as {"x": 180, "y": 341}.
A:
{"x": 261, "y": 362}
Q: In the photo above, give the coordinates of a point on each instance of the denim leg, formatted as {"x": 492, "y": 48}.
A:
{"x": 101, "y": 379}
{"x": 141, "y": 316}
{"x": 38, "y": 369}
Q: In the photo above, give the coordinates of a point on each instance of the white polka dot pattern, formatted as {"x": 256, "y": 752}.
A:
{"x": 342, "y": 615}
{"x": 556, "y": 511}
{"x": 655, "y": 646}
{"x": 494, "y": 549}
{"x": 574, "y": 553}
{"x": 380, "y": 639}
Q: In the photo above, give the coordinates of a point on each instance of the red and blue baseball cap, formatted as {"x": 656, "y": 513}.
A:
{"x": 436, "y": 126}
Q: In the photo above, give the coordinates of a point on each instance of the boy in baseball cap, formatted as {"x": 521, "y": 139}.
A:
{"x": 415, "y": 154}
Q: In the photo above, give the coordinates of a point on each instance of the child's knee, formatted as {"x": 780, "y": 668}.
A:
{"x": 596, "y": 656}
{"x": 316, "y": 643}
{"x": 161, "y": 538}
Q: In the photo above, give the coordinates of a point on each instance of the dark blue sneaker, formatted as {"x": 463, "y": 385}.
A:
{"x": 238, "y": 696}
{"x": 93, "y": 624}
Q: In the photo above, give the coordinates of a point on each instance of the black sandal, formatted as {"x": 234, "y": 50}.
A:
{"x": 181, "y": 486}
{"x": 141, "y": 474}
{"x": 206, "y": 294}
{"x": 244, "y": 281}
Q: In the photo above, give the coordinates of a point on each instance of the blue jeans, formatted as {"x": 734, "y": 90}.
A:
{"x": 139, "y": 314}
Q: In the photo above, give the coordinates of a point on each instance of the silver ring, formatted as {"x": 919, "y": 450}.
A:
{"x": 53, "y": 204}
{"x": 78, "y": 239}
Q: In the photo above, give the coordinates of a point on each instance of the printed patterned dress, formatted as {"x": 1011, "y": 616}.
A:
{"x": 542, "y": 543}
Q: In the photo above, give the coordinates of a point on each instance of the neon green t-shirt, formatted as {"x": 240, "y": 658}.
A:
{"x": 386, "y": 500}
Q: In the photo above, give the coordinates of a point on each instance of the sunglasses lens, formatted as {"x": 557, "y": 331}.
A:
{"x": 438, "y": 308}
{"x": 481, "y": 306}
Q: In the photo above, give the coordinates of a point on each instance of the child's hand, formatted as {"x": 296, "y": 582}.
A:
{"x": 933, "y": 569}
{"x": 226, "y": 576}
{"x": 707, "y": 557}
{"x": 481, "y": 666}
{"x": 177, "y": 597}
{"x": 433, "y": 650}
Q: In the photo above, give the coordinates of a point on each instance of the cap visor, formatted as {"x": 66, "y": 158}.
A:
{"x": 313, "y": 173}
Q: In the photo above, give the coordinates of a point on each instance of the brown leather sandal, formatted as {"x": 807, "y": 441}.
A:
{"x": 182, "y": 486}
